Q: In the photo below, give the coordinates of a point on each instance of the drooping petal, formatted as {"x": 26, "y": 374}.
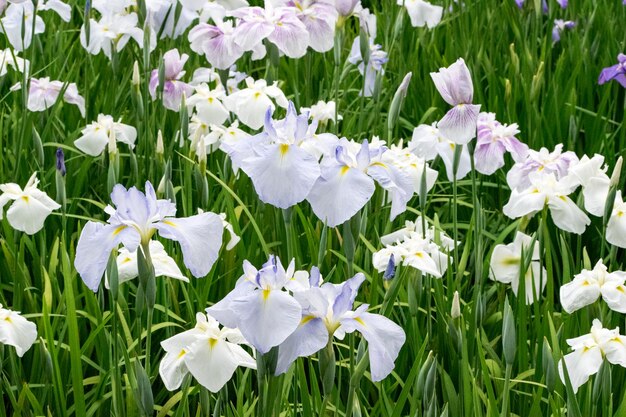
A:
{"x": 94, "y": 247}
{"x": 92, "y": 142}
{"x": 384, "y": 338}
{"x": 459, "y": 123}
{"x": 28, "y": 214}
{"x": 579, "y": 293}
{"x": 16, "y": 331}
{"x": 310, "y": 337}
{"x": 581, "y": 364}
{"x": 200, "y": 239}
{"x": 212, "y": 362}
{"x": 339, "y": 194}
{"x": 173, "y": 369}
{"x": 283, "y": 175}
{"x": 567, "y": 215}
{"x": 614, "y": 292}
{"x": 267, "y": 317}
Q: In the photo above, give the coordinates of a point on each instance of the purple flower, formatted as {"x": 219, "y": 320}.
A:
{"x": 217, "y": 43}
{"x": 556, "y": 162}
{"x": 173, "y": 88}
{"x": 563, "y": 3}
{"x": 615, "y": 72}
{"x": 455, "y": 86}
{"x": 279, "y": 25}
{"x": 520, "y": 3}
{"x": 559, "y": 26}
{"x": 320, "y": 20}
{"x": 494, "y": 139}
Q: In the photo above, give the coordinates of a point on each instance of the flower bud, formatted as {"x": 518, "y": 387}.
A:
{"x": 396, "y": 102}
{"x": 615, "y": 177}
{"x": 136, "y": 78}
{"x": 61, "y": 162}
{"x": 160, "y": 148}
{"x": 456, "y": 306}
{"x": 509, "y": 342}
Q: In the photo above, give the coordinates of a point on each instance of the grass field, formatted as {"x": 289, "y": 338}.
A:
{"x": 492, "y": 354}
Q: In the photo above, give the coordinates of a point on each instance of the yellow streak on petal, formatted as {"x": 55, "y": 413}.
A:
{"x": 283, "y": 148}
{"x": 380, "y": 164}
{"x": 360, "y": 321}
{"x": 25, "y": 198}
{"x": 182, "y": 353}
{"x": 344, "y": 170}
{"x": 169, "y": 223}
{"x": 212, "y": 342}
{"x": 306, "y": 319}
{"x": 118, "y": 230}
{"x": 266, "y": 294}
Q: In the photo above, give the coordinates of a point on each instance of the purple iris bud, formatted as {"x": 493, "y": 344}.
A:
{"x": 520, "y": 3}
{"x": 560, "y": 26}
{"x": 563, "y": 3}
{"x": 61, "y": 161}
{"x": 544, "y": 6}
{"x": 615, "y": 72}
{"x": 391, "y": 269}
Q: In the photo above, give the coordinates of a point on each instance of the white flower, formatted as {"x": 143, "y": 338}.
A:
{"x": 544, "y": 190}
{"x": 10, "y": 58}
{"x": 616, "y": 227}
{"x": 208, "y": 104}
{"x": 507, "y": 261}
{"x": 322, "y": 112}
{"x": 16, "y": 16}
{"x": 251, "y": 103}
{"x": 589, "y": 351}
{"x": 428, "y": 142}
{"x": 412, "y": 247}
{"x": 43, "y": 93}
{"x": 103, "y": 131}
{"x": 591, "y": 174}
{"x": 30, "y": 208}
{"x": 422, "y": 13}
{"x": 16, "y": 331}
{"x": 207, "y": 352}
{"x": 588, "y": 286}
{"x": 111, "y": 33}
{"x": 163, "y": 264}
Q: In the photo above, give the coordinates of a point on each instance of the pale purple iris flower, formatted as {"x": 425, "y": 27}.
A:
{"x": 615, "y": 72}
{"x": 173, "y": 88}
{"x": 559, "y": 27}
{"x": 563, "y": 3}
{"x": 556, "y": 162}
{"x": 320, "y": 19}
{"x": 456, "y": 88}
{"x": 376, "y": 59}
{"x": 327, "y": 311}
{"x": 347, "y": 182}
{"x": 279, "y": 25}
{"x": 133, "y": 221}
{"x": 494, "y": 139}
{"x": 217, "y": 43}
{"x": 346, "y": 8}
{"x": 43, "y": 93}
{"x": 259, "y": 305}
{"x": 277, "y": 160}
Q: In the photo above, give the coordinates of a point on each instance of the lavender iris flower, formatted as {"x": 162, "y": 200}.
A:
{"x": 560, "y": 26}
{"x": 615, "y": 72}
{"x": 259, "y": 306}
{"x": 494, "y": 139}
{"x": 133, "y": 221}
{"x": 173, "y": 88}
{"x": 280, "y": 160}
{"x": 456, "y": 88}
{"x": 327, "y": 311}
